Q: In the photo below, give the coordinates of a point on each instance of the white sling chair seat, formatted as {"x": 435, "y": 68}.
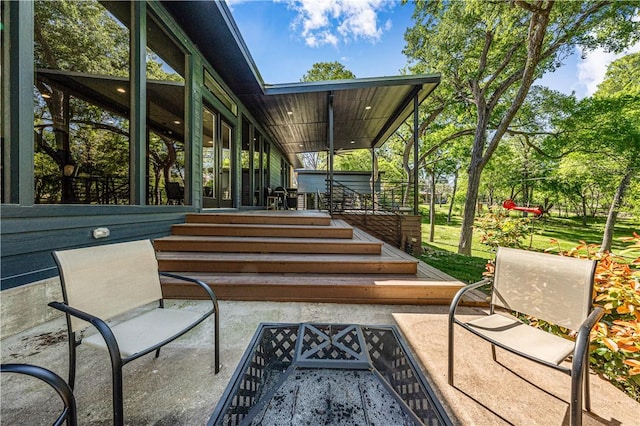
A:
{"x": 139, "y": 333}
{"x": 523, "y": 338}
{"x": 111, "y": 287}
{"x": 556, "y": 289}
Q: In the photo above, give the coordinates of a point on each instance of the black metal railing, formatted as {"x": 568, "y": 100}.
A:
{"x": 364, "y": 210}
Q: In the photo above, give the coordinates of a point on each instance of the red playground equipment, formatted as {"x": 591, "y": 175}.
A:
{"x": 511, "y": 205}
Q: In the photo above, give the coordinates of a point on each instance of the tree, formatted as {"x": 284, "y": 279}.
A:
{"x": 623, "y": 80}
{"x": 491, "y": 52}
{"x": 321, "y": 71}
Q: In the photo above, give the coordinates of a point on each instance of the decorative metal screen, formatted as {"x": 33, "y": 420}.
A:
{"x": 279, "y": 351}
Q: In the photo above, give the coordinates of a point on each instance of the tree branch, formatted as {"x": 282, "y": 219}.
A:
{"x": 451, "y": 137}
{"x": 488, "y": 38}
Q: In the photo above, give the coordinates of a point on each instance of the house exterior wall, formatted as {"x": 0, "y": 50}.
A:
{"x": 30, "y": 232}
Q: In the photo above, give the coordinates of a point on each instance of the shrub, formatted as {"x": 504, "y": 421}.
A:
{"x": 497, "y": 228}
{"x": 615, "y": 340}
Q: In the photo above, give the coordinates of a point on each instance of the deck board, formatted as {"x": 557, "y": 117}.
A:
{"x": 273, "y": 273}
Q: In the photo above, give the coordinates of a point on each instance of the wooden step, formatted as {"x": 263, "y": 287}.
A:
{"x": 384, "y": 289}
{"x": 265, "y": 218}
{"x": 225, "y": 244}
{"x": 283, "y": 263}
{"x": 248, "y": 230}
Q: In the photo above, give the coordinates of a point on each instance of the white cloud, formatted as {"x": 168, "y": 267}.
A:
{"x": 593, "y": 68}
{"x": 323, "y": 22}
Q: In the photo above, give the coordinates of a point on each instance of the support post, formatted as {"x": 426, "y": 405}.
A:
{"x": 330, "y": 159}
{"x": 138, "y": 104}
{"x": 416, "y": 152}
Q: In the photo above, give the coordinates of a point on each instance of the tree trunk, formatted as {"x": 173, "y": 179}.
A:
{"x": 466, "y": 231}
{"x": 453, "y": 196}
{"x": 584, "y": 209}
{"x": 432, "y": 207}
{"x": 613, "y": 210}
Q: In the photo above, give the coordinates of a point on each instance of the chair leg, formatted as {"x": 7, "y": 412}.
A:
{"x": 158, "y": 353}
{"x": 575, "y": 404}
{"x": 72, "y": 360}
{"x": 118, "y": 403}
{"x": 587, "y": 392}
{"x": 450, "y": 353}
{"x": 216, "y": 339}
{"x": 493, "y": 352}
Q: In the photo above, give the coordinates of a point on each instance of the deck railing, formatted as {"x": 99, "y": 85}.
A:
{"x": 365, "y": 211}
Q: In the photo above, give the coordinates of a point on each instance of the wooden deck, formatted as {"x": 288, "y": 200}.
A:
{"x": 285, "y": 257}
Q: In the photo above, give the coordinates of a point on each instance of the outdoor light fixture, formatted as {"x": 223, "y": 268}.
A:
{"x": 289, "y": 112}
{"x": 101, "y": 233}
{"x": 68, "y": 169}
{"x": 176, "y": 122}
{"x": 46, "y": 96}
{"x": 352, "y": 142}
{"x": 368, "y": 107}
{"x": 121, "y": 90}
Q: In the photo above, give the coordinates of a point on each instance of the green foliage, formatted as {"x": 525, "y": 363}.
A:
{"x": 615, "y": 340}
{"x": 489, "y": 54}
{"x": 622, "y": 78}
{"x": 353, "y": 160}
{"x": 497, "y": 228}
{"x": 321, "y": 71}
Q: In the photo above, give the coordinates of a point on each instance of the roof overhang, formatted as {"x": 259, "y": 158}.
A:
{"x": 366, "y": 111}
{"x": 296, "y": 115}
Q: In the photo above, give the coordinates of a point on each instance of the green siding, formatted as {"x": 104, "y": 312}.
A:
{"x": 29, "y": 234}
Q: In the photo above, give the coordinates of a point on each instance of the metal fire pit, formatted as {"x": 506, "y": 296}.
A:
{"x": 338, "y": 374}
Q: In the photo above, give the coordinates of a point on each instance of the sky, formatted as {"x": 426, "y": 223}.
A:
{"x": 286, "y": 37}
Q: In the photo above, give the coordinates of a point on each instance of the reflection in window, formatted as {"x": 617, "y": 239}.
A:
{"x": 209, "y": 162}
{"x": 245, "y": 161}
{"x": 226, "y": 162}
{"x": 257, "y": 182}
{"x": 165, "y": 117}
{"x": 81, "y": 99}
{"x": 212, "y": 85}
{"x": 5, "y": 158}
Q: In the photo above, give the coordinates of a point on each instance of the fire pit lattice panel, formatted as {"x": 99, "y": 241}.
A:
{"x": 280, "y": 354}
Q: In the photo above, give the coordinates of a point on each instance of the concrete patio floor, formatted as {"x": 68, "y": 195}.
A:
{"x": 180, "y": 387}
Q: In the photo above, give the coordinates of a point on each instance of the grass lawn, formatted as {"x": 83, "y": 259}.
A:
{"x": 442, "y": 252}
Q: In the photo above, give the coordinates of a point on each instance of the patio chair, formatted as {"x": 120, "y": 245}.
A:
{"x": 553, "y": 288}
{"x": 100, "y": 284}
{"x": 56, "y": 382}
{"x": 175, "y": 193}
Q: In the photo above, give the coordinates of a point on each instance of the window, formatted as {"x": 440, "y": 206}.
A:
{"x": 81, "y": 102}
{"x": 5, "y": 158}
{"x": 217, "y": 91}
{"x": 165, "y": 115}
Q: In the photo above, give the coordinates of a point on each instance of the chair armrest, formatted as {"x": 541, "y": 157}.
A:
{"x": 99, "y": 324}
{"x": 206, "y": 288}
{"x": 456, "y": 299}
{"x": 215, "y": 310}
{"x": 582, "y": 339}
{"x": 56, "y": 382}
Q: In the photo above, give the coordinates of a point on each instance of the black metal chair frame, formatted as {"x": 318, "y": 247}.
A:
{"x": 117, "y": 361}
{"x": 58, "y": 384}
{"x": 579, "y": 369}
{"x": 175, "y": 193}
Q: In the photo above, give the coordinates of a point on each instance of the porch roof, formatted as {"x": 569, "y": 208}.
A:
{"x": 296, "y": 115}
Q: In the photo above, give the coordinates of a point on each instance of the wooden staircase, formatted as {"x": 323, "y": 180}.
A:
{"x": 293, "y": 256}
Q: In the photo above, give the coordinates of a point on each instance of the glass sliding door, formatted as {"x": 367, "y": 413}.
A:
{"x": 209, "y": 160}
{"x": 226, "y": 176}
{"x": 217, "y": 170}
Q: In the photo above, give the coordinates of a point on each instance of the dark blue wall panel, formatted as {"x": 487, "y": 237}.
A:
{"x": 30, "y": 234}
